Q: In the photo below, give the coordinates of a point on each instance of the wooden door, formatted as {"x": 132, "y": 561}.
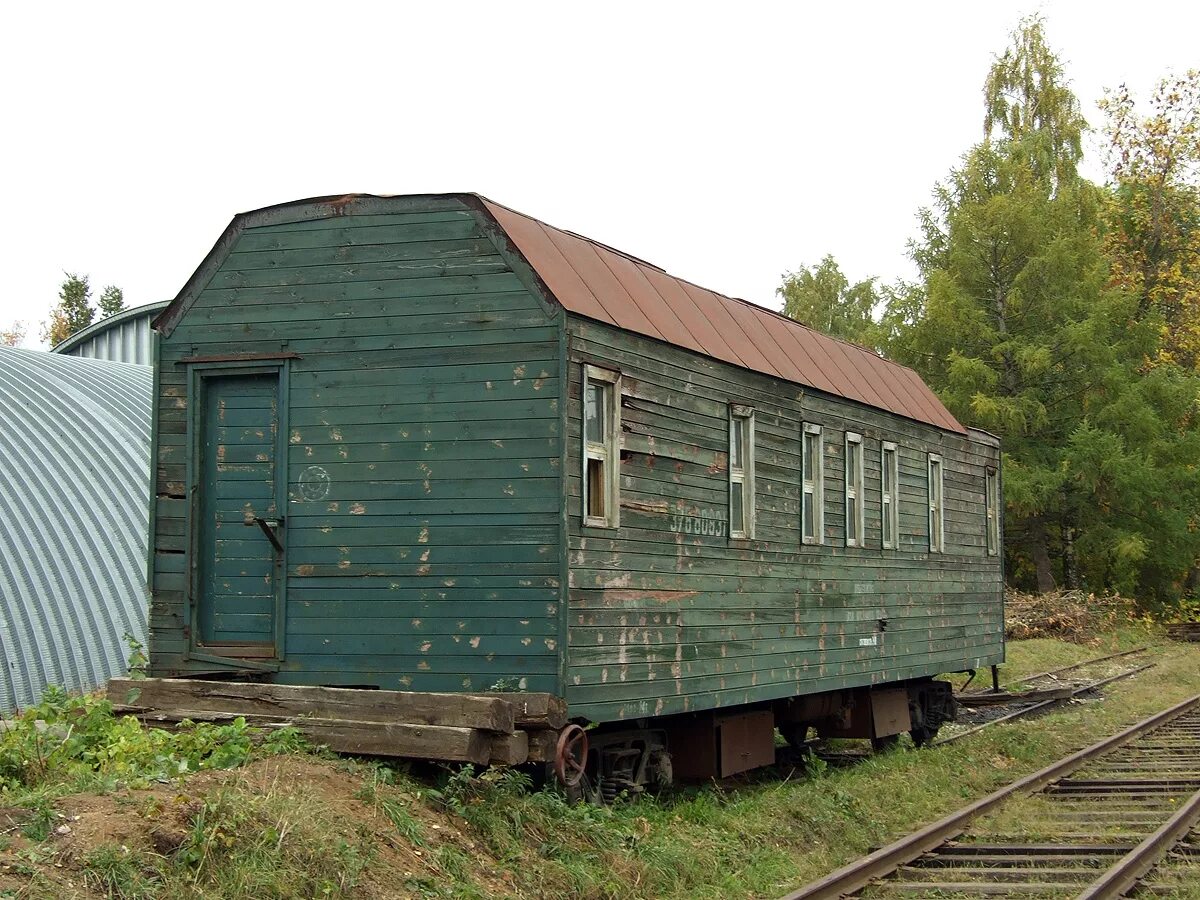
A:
{"x": 240, "y": 527}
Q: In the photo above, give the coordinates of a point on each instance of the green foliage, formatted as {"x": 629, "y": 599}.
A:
{"x": 74, "y": 310}
{"x": 73, "y": 313}
{"x": 112, "y": 301}
{"x": 822, "y": 298}
{"x": 73, "y": 743}
{"x": 1020, "y": 326}
{"x": 138, "y": 662}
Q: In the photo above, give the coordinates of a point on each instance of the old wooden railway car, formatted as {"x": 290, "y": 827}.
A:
{"x": 427, "y": 443}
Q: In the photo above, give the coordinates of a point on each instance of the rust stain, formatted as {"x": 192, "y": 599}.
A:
{"x": 304, "y": 570}
{"x": 657, "y": 596}
{"x": 655, "y": 506}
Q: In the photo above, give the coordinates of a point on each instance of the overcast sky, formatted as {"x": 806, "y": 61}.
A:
{"x": 725, "y": 142}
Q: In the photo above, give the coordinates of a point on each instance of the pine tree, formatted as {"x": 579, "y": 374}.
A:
{"x": 74, "y": 311}
{"x": 1018, "y": 325}
{"x": 112, "y": 301}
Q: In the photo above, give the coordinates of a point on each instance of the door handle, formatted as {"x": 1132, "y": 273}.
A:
{"x": 269, "y": 528}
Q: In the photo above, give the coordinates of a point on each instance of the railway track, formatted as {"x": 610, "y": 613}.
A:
{"x": 1116, "y": 819}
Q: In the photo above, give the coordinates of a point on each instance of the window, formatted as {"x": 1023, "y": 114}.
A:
{"x": 889, "y": 491}
{"x": 936, "y": 510}
{"x": 992, "y": 489}
{"x": 741, "y": 472}
{"x": 601, "y": 455}
{"x": 812, "y": 514}
{"x": 854, "y": 490}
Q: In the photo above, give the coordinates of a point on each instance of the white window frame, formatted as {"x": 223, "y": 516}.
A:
{"x": 937, "y": 504}
{"x": 742, "y": 417}
{"x": 608, "y": 451}
{"x": 813, "y": 483}
{"x": 991, "y": 488}
{"x": 854, "y": 491}
{"x": 889, "y": 499}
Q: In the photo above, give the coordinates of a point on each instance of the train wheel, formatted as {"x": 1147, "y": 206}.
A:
{"x": 885, "y": 743}
{"x": 923, "y": 735}
{"x": 570, "y": 759}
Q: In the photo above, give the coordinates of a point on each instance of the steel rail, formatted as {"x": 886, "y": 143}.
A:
{"x": 1080, "y": 665}
{"x": 1139, "y": 861}
{"x": 1045, "y": 704}
{"x": 858, "y": 874}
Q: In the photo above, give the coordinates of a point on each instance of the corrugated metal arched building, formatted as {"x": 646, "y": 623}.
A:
{"x": 74, "y": 507}
{"x": 124, "y": 337}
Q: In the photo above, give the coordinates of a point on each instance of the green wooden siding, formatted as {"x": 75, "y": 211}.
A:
{"x": 423, "y": 451}
{"x": 668, "y": 614}
{"x": 433, "y": 532}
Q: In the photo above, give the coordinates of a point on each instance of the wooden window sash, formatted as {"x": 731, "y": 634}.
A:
{"x": 854, "y": 489}
{"x": 606, "y": 452}
{"x": 889, "y": 493}
{"x": 741, "y": 424}
{"x": 813, "y": 485}
{"x": 937, "y": 510}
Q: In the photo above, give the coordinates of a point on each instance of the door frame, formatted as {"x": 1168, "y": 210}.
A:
{"x": 201, "y": 370}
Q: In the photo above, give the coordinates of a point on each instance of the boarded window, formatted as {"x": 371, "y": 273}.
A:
{"x": 812, "y": 515}
{"x": 936, "y": 505}
{"x": 889, "y": 495}
{"x": 601, "y": 456}
{"x": 854, "y": 490}
{"x": 741, "y": 472}
{"x": 992, "y": 487}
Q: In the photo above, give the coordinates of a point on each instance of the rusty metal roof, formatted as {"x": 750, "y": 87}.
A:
{"x": 601, "y": 283}
{"x": 594, "y": 280}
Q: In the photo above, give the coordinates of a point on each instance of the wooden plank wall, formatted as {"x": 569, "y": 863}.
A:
{"x": 667, "y": 614}
{"x": 427, "y": 388}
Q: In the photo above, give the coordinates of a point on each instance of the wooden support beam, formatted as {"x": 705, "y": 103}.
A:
{"x": 533, "y": 711}
{"x": 497, "y": 712}
{"x": 542, "y": 745}
{"x": 440, "y": 742}
{"x": 510, "y": 749}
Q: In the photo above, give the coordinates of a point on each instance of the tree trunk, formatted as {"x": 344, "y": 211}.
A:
{"x": 1041, "y": 558}
{"x": 1070, "y": 569}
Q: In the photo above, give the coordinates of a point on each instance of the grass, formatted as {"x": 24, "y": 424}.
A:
{"x": 356, "y": 829}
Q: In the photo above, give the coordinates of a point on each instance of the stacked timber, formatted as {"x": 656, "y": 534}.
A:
{"x": 1184, "y": 631}
{"x": 484, "y": 729}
